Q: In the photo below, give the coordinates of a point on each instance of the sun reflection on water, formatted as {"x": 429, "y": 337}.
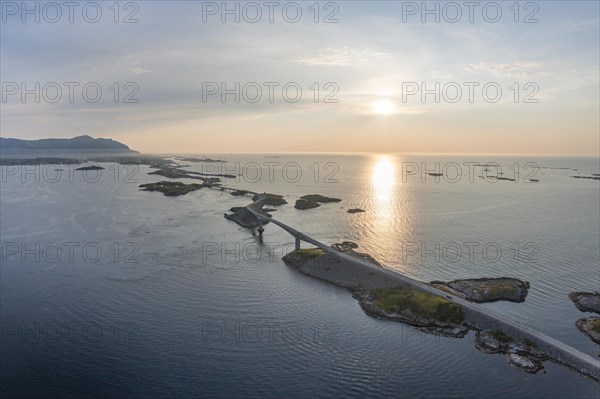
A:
{"x": 383, "y": 181}
{"x": 390, "y": 215}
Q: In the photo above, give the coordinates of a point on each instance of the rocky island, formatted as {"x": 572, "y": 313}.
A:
{"x": 92, "y": 167}
{"x": 239, "y": 193}
{"x": 355, "y": 210}
{"x": 486, "y": 289}
{"x": 306, "y": 204}
{"x": 586, "y": 301}
{"x": 590, "y": 326}
{"x": 178, "y": 173}
{"x": 313, "y": 201}
{"x": 593, "y": 177}
{"x": 195, "y": 159}
{"x": 244, "y": 217}
{"x": 170, "y": 188}
{"x": 524, "y": 356}
{"x": 319, "y": 198}
{"x": 349, "y": 247}
{"x": 427, "y": 312}
{"x": 270, "y": 199}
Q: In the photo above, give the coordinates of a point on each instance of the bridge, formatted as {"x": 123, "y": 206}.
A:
{"x": 475, "y": 315}
{"x": 255, "y": 209}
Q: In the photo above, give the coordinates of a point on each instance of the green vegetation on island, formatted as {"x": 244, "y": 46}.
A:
{"x": 399, "y": 300}
{"x": 427, "y": 312}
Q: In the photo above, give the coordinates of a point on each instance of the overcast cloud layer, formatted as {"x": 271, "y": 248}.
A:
{"x": 370, "y": 57}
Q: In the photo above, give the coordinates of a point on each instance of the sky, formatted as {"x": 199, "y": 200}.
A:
{"x": 346, "y": 76}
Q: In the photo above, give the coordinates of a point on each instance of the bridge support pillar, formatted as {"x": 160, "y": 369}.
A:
{"x": 297, "y": 243}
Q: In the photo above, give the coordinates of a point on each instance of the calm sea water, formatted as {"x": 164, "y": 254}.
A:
{"x": 108, "y": 291}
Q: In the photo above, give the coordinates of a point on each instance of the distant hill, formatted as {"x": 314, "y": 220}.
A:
{"x": 79, "y": 145}
{"x": 76, "y": 143}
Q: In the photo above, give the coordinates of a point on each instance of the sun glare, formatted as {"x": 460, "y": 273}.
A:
{"x": 383, "y": 177}
{"x": 383, "y": 182}
{"x": 383, "y": 107}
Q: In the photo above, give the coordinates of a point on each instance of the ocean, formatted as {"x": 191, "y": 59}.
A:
{"x": 110, "y": 291}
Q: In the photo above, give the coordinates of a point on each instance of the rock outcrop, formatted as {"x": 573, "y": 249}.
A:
{"x": 590, "y": 326}
{"x": 171, "y": 188}
{"x": 486, "y": 289}
{"x": 306, "y": 204}
{"x": 586, "y": 301}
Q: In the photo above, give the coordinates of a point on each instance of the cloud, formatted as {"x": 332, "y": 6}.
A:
{"x": 519, "y": 69}
{"x": 136, "y": 70}
{"x": 341, "y": 57}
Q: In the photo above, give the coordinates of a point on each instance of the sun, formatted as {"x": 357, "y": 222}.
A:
{"x": 383, "y": 107}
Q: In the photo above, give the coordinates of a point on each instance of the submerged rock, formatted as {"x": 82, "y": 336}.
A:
{"x": 586, "y": 301}
{"x": 486, "y": 289}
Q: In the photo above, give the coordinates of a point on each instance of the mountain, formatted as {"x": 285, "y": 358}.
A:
{"x": 76, "y": 144}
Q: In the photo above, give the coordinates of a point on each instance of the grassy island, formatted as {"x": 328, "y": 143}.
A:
{"x": 396, "y": 300}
